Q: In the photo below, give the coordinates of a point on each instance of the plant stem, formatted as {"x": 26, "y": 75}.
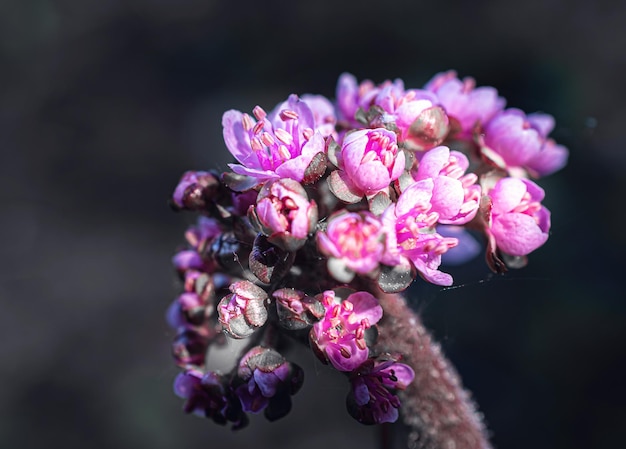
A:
{"x": 438, "y": 410}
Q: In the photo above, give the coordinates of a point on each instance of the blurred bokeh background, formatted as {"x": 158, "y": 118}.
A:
{"x": 103, "y": 105}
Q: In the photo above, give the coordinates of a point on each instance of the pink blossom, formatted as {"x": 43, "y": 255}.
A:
{"x": 410, "y": 225}
{"x": 514, "y": 141}
{"x": 339, "y": 337}
{"x": 518, "y": 222}
{"x": 370, "y": 160}
{"x": 456, "y": 195}
{"x": 465, "y": 102}
{"x": 281, "y": 145}
{"x": 355, "y": 239}
{"x": 391, "y": 106}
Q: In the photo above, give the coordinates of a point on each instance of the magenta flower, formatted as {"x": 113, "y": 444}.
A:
{"x": 410, "y": 225}
{"x": 354, "y": 239}
{"x": 465, "y": 102}
{"x": 371, "y": 399}
{"x": 517, "y": 221}
{"x": 456, "y": 195}
{"x": 282, "y": 145}
{"x": 514, "y": 141}
{"x": 339, "y": 337}
{"x": 284, "y": 213}
{"x": 265, "y": 381}
{"x": 206, "y": 395}
{"x": 370, "y": 160}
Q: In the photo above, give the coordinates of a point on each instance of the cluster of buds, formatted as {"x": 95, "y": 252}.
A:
{"x": 330, "y": 205}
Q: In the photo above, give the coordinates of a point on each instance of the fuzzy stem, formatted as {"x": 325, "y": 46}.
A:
{"x": 439, "y": 412}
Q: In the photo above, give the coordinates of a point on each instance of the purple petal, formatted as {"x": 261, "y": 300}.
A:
{"x": 237, "y": 139}
{"x": 267, "y": 382}
{"x": 418, "y": 194}
{"x": 432, "y": 162}
{"x": 507, "y": 194}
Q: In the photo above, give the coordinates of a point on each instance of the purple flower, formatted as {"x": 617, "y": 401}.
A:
{"x": 352, "y": 96}
{"x": 354, "y": 239}
{"x": 370, "y": 160}
{"x": 284, "y": 213}
{"x": 282, "y": 145}
{"x": 244, "y": 310}
{"x": 371, "y": 399}
{"x": 464, "y": 102}
{"x": 265, "y": 381}
{"x": 517, "y": 220}
{"x": 514, "y": 141}
{"x": 339, "y": 337}
{"x": 410, "y": 225}
{"x": 201, "y": 235}
{"x": 188, "y": 259}
{"x": 456, "y": 195}
{"x": 207, "y": 396}
{"x": 194, "y": 189}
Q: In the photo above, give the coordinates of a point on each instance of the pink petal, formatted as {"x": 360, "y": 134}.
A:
{"x": 517, "y": 234}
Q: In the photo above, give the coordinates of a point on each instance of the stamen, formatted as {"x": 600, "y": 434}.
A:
{"x": 287, "y": 114}
{"x": 259, "y": 112}
{"x": 283, "y": 136}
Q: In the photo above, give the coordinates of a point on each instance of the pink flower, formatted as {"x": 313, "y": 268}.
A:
{"x": 413, "y": 114}
{"x": 355, "y": 239}
{"x": 323, "y": 114}
{"x": 456, "y": 195}
{"x": 517, "y": 221}
{"x": 282, "y": 145}
{"x": 370, "y": 160}
{"x": 285, "y": 214}
{"x": 514, "y": 141}
{"x": 371, "y": 399}
{"x": 410, "y": 225}
{"x": 463, "y": 101}
{"x": 339, "y": 337}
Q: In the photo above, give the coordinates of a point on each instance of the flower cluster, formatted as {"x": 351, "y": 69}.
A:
{"x": 329, "y": 206}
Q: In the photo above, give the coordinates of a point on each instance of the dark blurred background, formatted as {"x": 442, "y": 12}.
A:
{"x": 103, "y": 105}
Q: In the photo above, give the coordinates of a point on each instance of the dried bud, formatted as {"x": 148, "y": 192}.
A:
{"x": 194, "y": 190}
{"x": 190, "y": 347}
{"x": 269, "y": 263}
{"x": 244, "y": 310}
{"x": 297, "y": 310}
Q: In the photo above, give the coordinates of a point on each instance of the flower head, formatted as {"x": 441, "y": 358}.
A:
{"x": 284, "y": 213}
{"x": 513, "y": 141}
{"x": 517, "y": 220}
{"x": 282, "y": 145}
{"x": 371, "y": 399}
{"x": 244, "y": 310}
{"x": 354, "y": 239}
{"x": 465, "y": 102}
{"x": 411, "y": 234}
{"x": 207, "y": 395}
{"x": 371, "y": 160}
{"x": 265, "y": 381}
{"x": 339, "y": 337}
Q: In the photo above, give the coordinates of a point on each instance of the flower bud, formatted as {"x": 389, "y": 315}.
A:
{"x": 297, "y": 310}
{"x": 265, "y": 381}
{"x": 207, "y": 395}
{"x": 190, "y": 347}
{"x": 244, "y": 310}
{"x": 284, "y": 214}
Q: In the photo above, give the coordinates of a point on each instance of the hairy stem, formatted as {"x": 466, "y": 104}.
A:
{"x": 438, "y": 411}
